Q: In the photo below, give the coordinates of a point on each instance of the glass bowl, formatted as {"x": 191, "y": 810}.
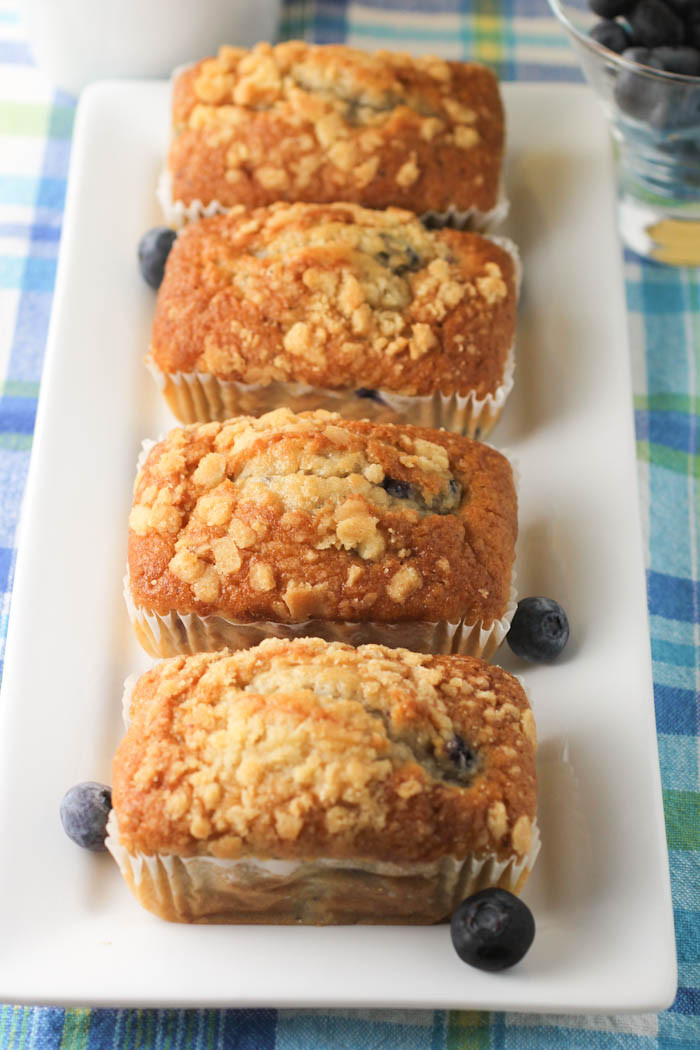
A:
{"x": 654, "y": 118}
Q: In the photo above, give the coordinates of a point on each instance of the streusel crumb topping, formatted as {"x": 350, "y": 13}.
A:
{"x": 290, "y": 517}
{"x": 336, "y": 296}
{"x": 304, "y": 748}
{"x": 298, "y": 121}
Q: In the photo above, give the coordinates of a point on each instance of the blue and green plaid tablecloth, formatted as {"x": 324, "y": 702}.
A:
{"x": 521, "y": 41}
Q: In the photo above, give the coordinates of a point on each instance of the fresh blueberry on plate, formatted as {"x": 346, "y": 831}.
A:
{"x": 84, "y": 811}
{"x": 539, "y": 631}
{"x": 154, "y": 248}
{"x": 492, "y": 930}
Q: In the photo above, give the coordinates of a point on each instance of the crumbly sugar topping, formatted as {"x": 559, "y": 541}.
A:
{"x": 336, "y": 295}
{"x": 307, "y": 748}
{"x": 291, "y": 517}
{"x": 290, "y": 118}
{"x": 344, "y": 92}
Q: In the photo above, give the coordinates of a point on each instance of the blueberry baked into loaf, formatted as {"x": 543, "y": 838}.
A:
{"x": 309, "y": 305}
{"x": 298, "y": 122}
{"x": 307, "y": 782}
{"x": 315, "y": 525}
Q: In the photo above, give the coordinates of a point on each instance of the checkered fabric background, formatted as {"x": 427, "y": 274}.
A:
{"x": 521, "y": 41}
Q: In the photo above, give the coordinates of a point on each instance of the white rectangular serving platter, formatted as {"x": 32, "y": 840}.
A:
{"x": 71, "y": 932}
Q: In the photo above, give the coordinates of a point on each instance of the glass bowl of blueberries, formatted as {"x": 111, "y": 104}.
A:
{"x": 642, "y": 58}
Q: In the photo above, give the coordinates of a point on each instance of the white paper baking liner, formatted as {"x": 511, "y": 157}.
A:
{"x": 471, "y": 218}
{"x": 199, "y": 397}
{"x": 319, "y": 891}
{"x": 177, "y": 213}
{"x": 129, "y": 685}
{"x": 175, "y": 632}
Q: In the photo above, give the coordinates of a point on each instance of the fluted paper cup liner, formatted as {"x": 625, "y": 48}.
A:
{"x": 199, "y": 397}
{"x": 471, "y": 218}
{"x": 176, "y": 213}
{"x": 129, "y": 684}
{"x": 175, "y": 632}
{"x": 318, "y": 891}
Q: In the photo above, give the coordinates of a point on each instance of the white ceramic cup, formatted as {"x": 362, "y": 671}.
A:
{"x": 77, "y": 41}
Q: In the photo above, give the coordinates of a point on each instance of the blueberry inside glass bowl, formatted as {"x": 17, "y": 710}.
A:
{"x": 653, "y": 110}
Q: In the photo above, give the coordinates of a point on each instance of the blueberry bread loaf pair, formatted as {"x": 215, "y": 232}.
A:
{"x": 340, "y": 307}
{"x": 312, "y": 524}
{"x": 299, "y": 122}
{"x": 306, "y": 782}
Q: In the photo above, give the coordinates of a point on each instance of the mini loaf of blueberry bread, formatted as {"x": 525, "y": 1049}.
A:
{"x": 308, "y": 782}
{"x": 299, "y": 122}
{"x": 340, "y": 307}
{"x": 314, "y": 525}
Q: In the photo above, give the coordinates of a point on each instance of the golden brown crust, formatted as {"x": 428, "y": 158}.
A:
{"x": 336, "y": 296}
{"x": 294, "y": 517}
{"x": 306, "y": 749}
{"x": 298, "y": 122}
